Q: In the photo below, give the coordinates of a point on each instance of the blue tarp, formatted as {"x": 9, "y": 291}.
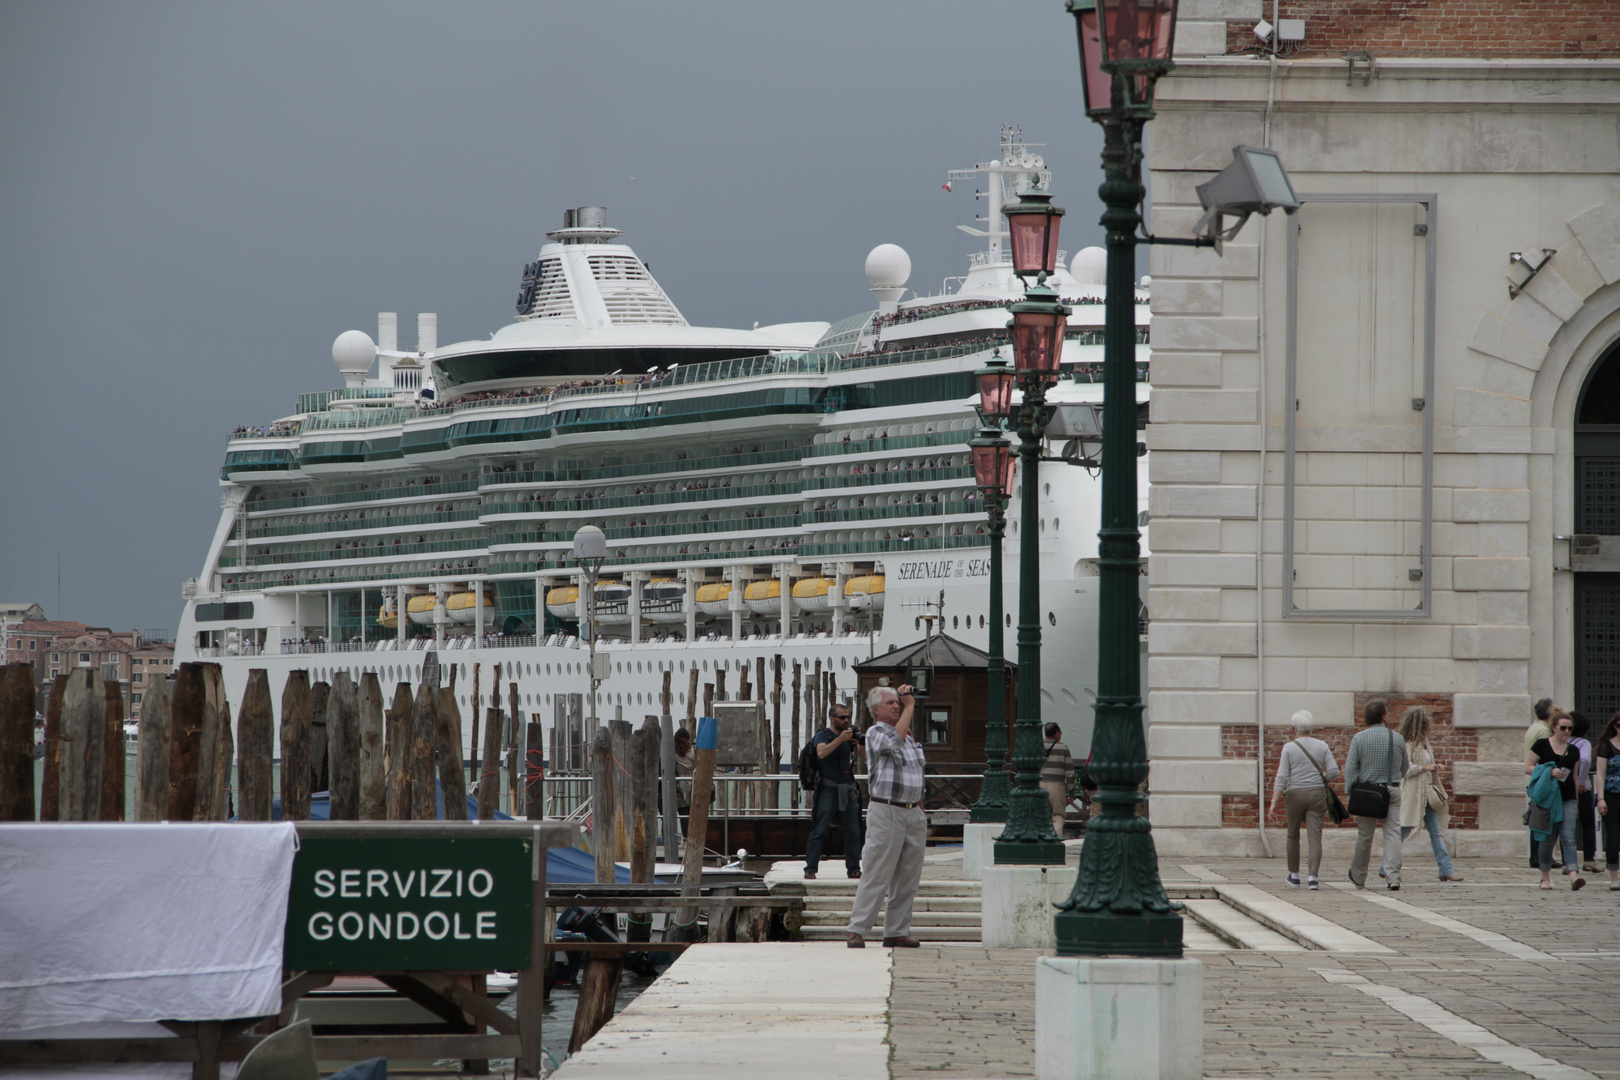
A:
{"x": 564, "y": 866}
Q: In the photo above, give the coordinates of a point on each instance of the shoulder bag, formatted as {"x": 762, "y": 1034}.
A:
{"x": 1439, "y": 798}
{"x": 1368, "y": 799}
{"x": 1335, "y": 809}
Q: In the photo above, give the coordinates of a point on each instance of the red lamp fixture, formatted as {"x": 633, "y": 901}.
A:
{"x": 1033, "y": 224}
{"x": 995, "y": 380}
{"x": 1133, "y": 38}
{"x": 993, "y": 463}
{"x": 1037, "y": 328}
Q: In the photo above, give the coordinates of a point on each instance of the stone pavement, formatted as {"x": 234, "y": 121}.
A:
{"x": 1490, "y": 977}
{"x": 1487, "y": 978}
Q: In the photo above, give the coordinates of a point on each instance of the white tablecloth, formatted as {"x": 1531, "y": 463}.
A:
{"x": 137, "y": 922}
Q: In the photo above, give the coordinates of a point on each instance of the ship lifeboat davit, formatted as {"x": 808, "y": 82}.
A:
{"x": 714, "y": 600}
{"x": 562, "y": 601}
{"x": 813, "y": 594}
{"x": 420, "y": 609}
{"x": 864, "y": 593}
{"x": 764, "y": 597}
{"x": 612, "y": 603}
{"x": 462, "y": 607}
{"x": 663, "y": 600}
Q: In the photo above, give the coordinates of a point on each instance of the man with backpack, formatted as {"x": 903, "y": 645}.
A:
{"x": 828, "y": 763}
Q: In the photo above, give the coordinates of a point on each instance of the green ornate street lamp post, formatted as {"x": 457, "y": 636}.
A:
{"x": 1118, "y": 905}
{"x": 993, "y": 472}
{"x": 1037, "y": 337}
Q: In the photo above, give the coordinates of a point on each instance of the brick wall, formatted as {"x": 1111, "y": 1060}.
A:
{"x": 1454, "y": 28}
{"x": 1451, "y": 744}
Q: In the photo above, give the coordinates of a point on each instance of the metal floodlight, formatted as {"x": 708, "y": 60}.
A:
{"x": 1255, "y": 183}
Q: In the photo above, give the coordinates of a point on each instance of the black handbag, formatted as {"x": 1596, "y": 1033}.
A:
{"x": 1370, "y": 800}
{"x": 1335, "y": 809}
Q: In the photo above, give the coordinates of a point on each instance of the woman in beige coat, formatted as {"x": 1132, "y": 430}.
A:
{"x": 1422, "y": 778}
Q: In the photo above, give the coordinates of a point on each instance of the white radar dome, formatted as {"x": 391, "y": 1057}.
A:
{"x": 353, "y": 352}
{"x": 1090, "y": 266}
{"x": 888, "y": 266}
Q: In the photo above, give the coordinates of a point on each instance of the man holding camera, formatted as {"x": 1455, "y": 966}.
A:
{"x": 896, "y": 827}
{"x": 836, "y": 797}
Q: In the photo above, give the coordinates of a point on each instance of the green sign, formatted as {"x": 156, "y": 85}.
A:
{"x": 410, "y": 904}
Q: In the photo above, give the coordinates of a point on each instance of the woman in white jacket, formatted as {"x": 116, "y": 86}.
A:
{"x": 1422, "y": 778}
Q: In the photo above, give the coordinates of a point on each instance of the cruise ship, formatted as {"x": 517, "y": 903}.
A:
{"x": 801, "y": 490}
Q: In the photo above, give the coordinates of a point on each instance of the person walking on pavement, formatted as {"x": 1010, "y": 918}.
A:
{"x": 1057, "y": 769}
{"x": 896, "y": 827}
{"x": 1377, "y": 756}
{"x": 1540, "y": 728}
{"x": 1606, "y": 757}
{"x": 837, "y": 797}
{"x": 1585, "y": 804}
{"x": 1424, "y": 799}
{"x": 1304, "y": 769}
{"x": 1562, "y": 758}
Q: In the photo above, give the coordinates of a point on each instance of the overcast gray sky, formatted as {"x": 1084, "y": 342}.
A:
{"x": 196, "y": 198}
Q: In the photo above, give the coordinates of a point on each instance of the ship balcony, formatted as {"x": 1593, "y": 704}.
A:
{"x": 393, "y": 551}
{"x": 714, "y": 496}
{"x": 738, "y": 459}
{"x": 882, "y": 479}
{"x": 344, "y": 498}
{"x": 355, "y": 576}
{"x": 892, "y": 513}
{"x": 740, "y": 527}
{"x": 361, "y": 524}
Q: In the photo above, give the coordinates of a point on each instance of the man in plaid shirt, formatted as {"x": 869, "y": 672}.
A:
{"x": 896, "y": 827}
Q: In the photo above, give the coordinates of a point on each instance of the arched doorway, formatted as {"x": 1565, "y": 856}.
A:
{"x": 1595, "y": 548}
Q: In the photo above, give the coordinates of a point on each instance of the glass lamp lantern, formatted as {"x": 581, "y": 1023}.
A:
{"x": 993, "y": 462}
{"x": 1033, "y": 224}
{"x": 1133, "y": 38}
{"x": 1037, "y": 333}
{"x": 995, "y": 381}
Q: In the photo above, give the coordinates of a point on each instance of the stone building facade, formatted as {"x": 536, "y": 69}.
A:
{"x": 1366, "y": 462}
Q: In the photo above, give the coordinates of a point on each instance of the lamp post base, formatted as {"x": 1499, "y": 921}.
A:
{"x": 978, "y": 848}
{"x": 1103, "y": 933}
{"x": 1015, "y": 905}
{"x": 1119, "y": 1019}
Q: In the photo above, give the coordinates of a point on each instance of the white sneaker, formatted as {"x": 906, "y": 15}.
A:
{"x": 1311, "y": 884}
{"x": 1293, "y": 879}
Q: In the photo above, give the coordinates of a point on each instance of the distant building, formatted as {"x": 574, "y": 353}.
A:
{"x": 57, "y": 646}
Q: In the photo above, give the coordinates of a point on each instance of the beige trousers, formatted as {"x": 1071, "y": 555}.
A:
{"x": 1057, "y": 791}
{"x": 1365, "y": 829}
{"x": 1307, "y": 806}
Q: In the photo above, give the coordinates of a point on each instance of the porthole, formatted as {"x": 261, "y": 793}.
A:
{"x": 843, "y": 662}
{"x": 954, "y": 623}
{"x": 548, "y": 669}
{"x": 981, "y": 622}
{"x": 1009, "y": 621}
{"x": 1048, "y": 489}
{"x": 1051, "y": 617}
{"x": 1055, "y": 522}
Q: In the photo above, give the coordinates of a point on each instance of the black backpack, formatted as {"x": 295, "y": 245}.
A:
{"x": 809, "y": 767}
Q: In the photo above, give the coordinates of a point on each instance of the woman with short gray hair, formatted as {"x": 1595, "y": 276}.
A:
{"x": 1303, "y": 770}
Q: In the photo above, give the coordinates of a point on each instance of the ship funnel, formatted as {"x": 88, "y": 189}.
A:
{"x": 388, "y": 330}
{"x": 427, "y": 333}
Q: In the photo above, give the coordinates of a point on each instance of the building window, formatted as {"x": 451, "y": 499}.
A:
{"x": 137, "y": 676}
{"x": 56, "y": 657}
{"x": 33, "y": 644}
{"x": 84, "y": 657}
{"x": 136, "y": 698}
{"x": 54, "y": 673}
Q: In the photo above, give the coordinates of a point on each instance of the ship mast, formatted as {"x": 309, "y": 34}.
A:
{"x": 1014, "y": 172}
